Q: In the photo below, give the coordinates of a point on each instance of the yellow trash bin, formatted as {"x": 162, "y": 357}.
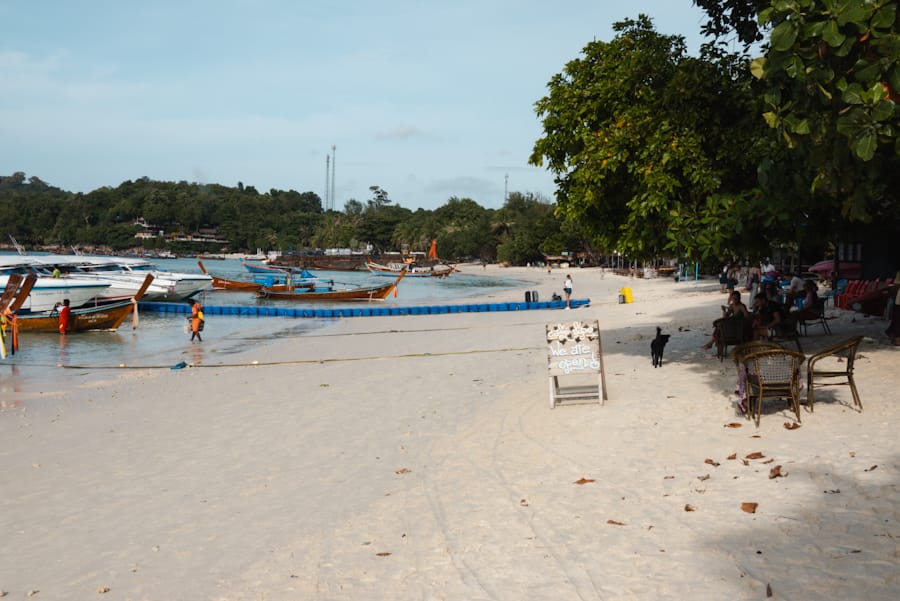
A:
{"x": 626, "y": 292}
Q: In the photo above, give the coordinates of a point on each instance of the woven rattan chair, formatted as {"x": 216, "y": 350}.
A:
{"x": 821, "y": 320}
{"x": 833, "y": 368}
{"x": 742, "y": 350}
{"x": 787, "y": 330}
{"x": 771, "y": 374}
{"x": 729, "y": 331}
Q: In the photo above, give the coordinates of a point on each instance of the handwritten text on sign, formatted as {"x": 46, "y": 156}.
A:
{"x": 573, "y": 348}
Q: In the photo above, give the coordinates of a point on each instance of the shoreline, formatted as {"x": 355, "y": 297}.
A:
{"x": 416, "y": 457}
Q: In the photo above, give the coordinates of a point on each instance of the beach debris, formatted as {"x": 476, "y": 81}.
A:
{"x": 755, "y": 455}
{"x": 768, "y": 461}
{"x": 32, "y": 592}
{"x": 853, "y": 453}
{"x": 756, "y": 436}
{"x": 102, "y": 590}
{"x": 712, "y": 462}
{"x": 614, "y": 523}
{"x": 749, "y": 507}
{"x": 871, "y": 468}
{"x": 523, "y": 503}
{"x": 791, "y": 425}
{"x": 583, "y": 481}
{"x": 768, "y": 590}
{"x": 180, "y": 365}
{"x": 668, "y": 477}
{"x": 3, "y": 593}
{"x": 703, "y": 477}
{"x": 733, "y": 425}
{"x": 775, "y": 472}
{"x": 383, "y": 554}
{"x": 732, "y": 457}
{"x": 689, "y": 507}
{"x": 832, "y": 491}
{"x": 403, "y": 470}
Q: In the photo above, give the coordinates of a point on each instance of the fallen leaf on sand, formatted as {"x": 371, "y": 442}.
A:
{"x": 749, "y": 507}
{"x": 583, "y": 481}
{"x": 689, "y": 508}
{"x": 775, "y": 472}
{"x": 755, "y": 455}
{"x": 768, "y": 590}
{"x": 523, "y": 503}
{"x": 871, "y": 468}
{"x": 733, "y": 425}
{"x": 614, "y": 523}
{"x": 103, "y": 589}
{"x": 702, "y": 478}
{"x": 853, "y": 453}
{"x": 732, "y": 457}
{"x": 712, "y": 463}
{"x": 745, "y": 462}
{"x": 767, "y": 461}
{"x": 402, "y": 470}
{"x": 791, "y": 425}
{"x": 668, "y": 477}
{"x": 383, "y": 554}
{"x": 756, "y": 436}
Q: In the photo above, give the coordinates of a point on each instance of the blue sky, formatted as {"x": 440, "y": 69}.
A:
{"x": 428, "y": 100}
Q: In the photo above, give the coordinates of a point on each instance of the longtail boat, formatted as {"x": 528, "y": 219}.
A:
{"x": 102, "y": 317}
{"x": 230, "y": 285}
{"x": 366, "y": 293}
{"x": 441, "y": 270}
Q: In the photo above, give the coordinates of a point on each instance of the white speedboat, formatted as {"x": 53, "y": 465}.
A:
{"x": 48, "y": 292}
{"x": 126, "y": 275}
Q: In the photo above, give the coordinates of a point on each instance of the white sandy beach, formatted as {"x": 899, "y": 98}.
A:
{"x": 417, "y": 457}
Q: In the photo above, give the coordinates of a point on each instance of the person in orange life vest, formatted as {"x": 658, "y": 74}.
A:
{"x": 64, "y": 312}
{"x": 196, "y": 310}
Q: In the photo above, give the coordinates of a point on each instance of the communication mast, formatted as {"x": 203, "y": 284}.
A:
{"x": 326, "y": 205}
{"x": 333, "y": 163}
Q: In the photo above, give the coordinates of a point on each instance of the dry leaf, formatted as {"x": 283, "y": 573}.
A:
{"x": 853, "y": 453}
{"x": 756, "y": 436}
{"x": 583, "y": 481}
{"x": 712, "y": 463}
{"x": 702, "y": 478}
{"x": 733, "y": 425}
{"x": 871, "y": 468}
{"x": 768, "y": 590}
{"x": 745, "y": 462}
{"x": 383, "y": 554}
{"x": 791, "y": 425}
{"x": 668, "y": 477}
{"x": 733, "y": 456}
{"x": 614, "y": 523}
{"x": 523, "y": 503}
{"x": 689, "y": 508}
{"x": 402, "y": 470}
{"x": 103, "y": 589}
{"x": 767, "y": 461}
{"x": 749, "y": 507}
{"x": 775, "y": 472}
{"x": 755, "y": 455}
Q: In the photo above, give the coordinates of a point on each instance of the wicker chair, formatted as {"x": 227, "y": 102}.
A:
{"x": 742, "y": 350}
{"x": 787, "y": 330}
{"x": 821, "y": 320}
{"x": 729, "y": 331}
{"x": 772, "y": 373}
{"x": 846, "y": 350}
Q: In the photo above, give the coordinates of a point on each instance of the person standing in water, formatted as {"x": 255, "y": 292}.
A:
{"x": 64, "y": 312}
{"x": 196, "y": 317}
{"x": 567, "y": 288}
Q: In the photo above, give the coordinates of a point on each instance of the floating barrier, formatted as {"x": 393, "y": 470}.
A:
{"x": 263, "y": 311}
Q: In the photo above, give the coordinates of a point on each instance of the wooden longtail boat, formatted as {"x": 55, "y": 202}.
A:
{"x": 367, "y": 293}
{"x": 414, "y": 271}
{"x": 222, "y": 284}
{"x": 101, "y": 317}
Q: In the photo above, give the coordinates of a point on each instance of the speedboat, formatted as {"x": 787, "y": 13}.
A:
{"x": 125, "y": 276}
{"x": 48, "y": 292}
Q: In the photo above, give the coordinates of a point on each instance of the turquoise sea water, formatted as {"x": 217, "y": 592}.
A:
{"x": 49, "y": 361}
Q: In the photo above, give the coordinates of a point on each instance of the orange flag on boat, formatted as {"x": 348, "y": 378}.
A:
{"x": 432, "y": 252}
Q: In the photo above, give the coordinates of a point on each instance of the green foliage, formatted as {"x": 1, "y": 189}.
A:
{"x": 832, "y": 76}
{"x": 639, "y": 135}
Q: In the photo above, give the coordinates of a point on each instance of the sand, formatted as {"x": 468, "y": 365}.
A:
{"x": 417, "y": 457}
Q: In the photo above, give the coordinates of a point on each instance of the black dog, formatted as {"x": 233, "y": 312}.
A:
{"x": 657, "y": 346}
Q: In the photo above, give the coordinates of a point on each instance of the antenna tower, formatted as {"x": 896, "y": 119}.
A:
{"x": 333, "y": 163}
{"x": 327, "y": 173}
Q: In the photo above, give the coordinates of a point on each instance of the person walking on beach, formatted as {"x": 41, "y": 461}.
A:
{"x": 196, "y": 318}
{"x": 567, "y": 288}
{"x": 64, "y": 312}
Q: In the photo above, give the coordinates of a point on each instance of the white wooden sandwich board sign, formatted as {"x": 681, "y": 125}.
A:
{"x": 574, "y": 349}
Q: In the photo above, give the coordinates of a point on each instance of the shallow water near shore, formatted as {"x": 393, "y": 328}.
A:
{"x": 48, "y": 362}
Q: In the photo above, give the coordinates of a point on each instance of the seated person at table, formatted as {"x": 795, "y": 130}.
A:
{"x": 734, "y": 307}
{"x": 795, "y": 288}
{"x": 767, "y": 315}
{"x": 810, "y": 307}
{"x": 773, "y": 293}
